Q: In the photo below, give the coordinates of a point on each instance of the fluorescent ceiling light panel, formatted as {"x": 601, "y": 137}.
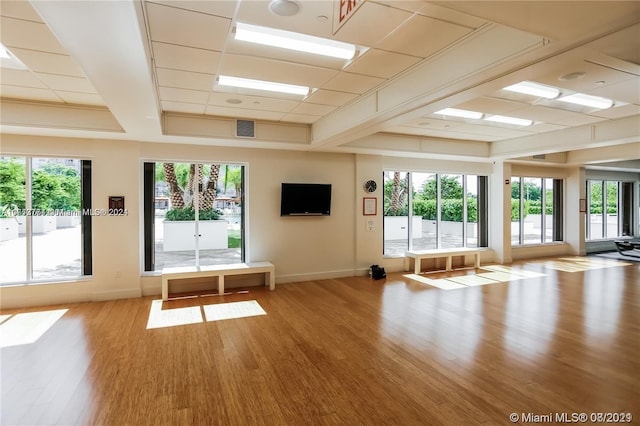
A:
{"x": 294, "y": 41}
{"x": 534, "y": 89}
{"x": 509, "y": 120}
{"x": 8, "y": 59}
{"x": 588, "y": 100}
{"x": 269, "y": 86}
{"x": 463, "y": 113}
{"x": 4, "y": 53}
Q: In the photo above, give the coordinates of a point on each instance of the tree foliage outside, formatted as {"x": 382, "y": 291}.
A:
{"x": 12, "y": 184}
{"x": 595, "y": 202}
{"x": 424, "y": 202}
{"x": 182, "y": 179}
{"x": 53, "y": 186}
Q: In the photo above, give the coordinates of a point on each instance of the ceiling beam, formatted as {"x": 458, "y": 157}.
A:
{"x": 107, "y": 40}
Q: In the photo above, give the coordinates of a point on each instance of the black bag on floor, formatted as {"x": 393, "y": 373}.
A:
{"x": 377, "y": 272}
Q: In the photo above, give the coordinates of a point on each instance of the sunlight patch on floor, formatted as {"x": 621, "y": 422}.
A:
{"x": 28, "y": 327}
{"x": 439, "y": 283}
{"x": 160, "y": 318}
{"x": 502, "y": 273}
{"x": 579, "y": 264}
{"x": 223, "y": 311}
{"x": 497, "y": 274}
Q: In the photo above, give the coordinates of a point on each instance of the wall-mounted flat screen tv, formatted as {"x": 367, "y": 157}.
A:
{"x": 305, "y": 199}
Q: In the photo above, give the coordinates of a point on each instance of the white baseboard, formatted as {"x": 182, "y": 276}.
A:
{"x": 125, "y": 293}
{"x": 292, "y": 278}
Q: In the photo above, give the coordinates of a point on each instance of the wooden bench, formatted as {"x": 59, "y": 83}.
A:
{"x": 418, "y": 255}
{"x": 219, "y": 271}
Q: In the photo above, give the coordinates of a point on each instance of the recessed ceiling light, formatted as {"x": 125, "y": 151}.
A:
{"x": 234, "y": 101}
{"x": 284, "y": 7}
{"x": 463, "y": 113}
{"x": 534, "y": 89}
{"x": 294, "y": 41}
{"x": 571, "y": 76}
{"x": 509, "y": 120}
{"x": 322, "y": 18}
{"x": 588, "y": 100}
{"x": 269, "y": 86}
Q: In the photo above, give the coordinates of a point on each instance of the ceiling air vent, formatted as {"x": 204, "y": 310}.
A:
{"x": 539, "y": 157}
{"x": 246, "y": 128}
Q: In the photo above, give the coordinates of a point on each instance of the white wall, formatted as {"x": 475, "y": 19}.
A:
{"x": 302, "y": 248}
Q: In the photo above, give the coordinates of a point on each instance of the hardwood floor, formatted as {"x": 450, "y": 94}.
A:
{"x": 562, "y": 336}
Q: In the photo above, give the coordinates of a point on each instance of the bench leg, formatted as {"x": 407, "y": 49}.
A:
{"x": 165, "y": 288}
{"x": 418, "y": 265}
{"x": 477, "y": 265}
{"x": 449, "y": 267}
{"x": 221, "y": 284}
{"x": 270, "y": 279}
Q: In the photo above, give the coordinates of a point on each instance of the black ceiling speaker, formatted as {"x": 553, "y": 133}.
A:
{"x": 246, "y": 128}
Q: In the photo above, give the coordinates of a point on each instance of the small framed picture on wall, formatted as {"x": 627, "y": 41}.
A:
{"x": 369, "y": 206}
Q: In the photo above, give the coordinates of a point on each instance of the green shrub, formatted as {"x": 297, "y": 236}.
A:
{"x": 452, "y": 209}
{"x": 182, "y": 214}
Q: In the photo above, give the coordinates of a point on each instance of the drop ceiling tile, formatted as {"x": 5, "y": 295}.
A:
{"x": 51, "y": 63}
{"x": 244, "y": 48}
{"x": 434, "y": 11}
{"x": 618, "y": 112}
{"x": 574, "y": 62}
{"x": 224, "y": 9}
{"x": 185, "y": 108}
{"x": 17, "y": 33}
{"x": 380, "y": 63}
{"x": 353, "y": 83}
{"x": 66, "y": 83}
{"x": 80, "y": 98}
{"x": 182, "y": 27}
{"x": 625, "y": 91}
{"x": 543, "y": 114}
{"x": 422, "y": 36}
{"x": 330, "y": 97}
{"x": 253, "y": 114}
{"x": 23, "y": 78}
{"x": 186, "y": 58}
{"x": 306, "y": 21}
{"x": 183, "y": 95}
{"x": 277, "y": 71}
{"x": 251, "y": 102}
{"x": 371, "y": 23}
{"x": 29, "y": 93}
{"x": 19, "y": 9}
{"x": 184, "y": 79}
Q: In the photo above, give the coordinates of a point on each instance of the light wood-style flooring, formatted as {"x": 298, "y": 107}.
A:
{"x": 555, "y": 338}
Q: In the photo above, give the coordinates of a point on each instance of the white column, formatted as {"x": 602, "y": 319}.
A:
{"x": 500, "y": 211}
{"x": 574, "y": 219}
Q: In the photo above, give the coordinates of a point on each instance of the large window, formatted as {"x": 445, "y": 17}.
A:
{"x": 610, "y": 209}
{"x": 46, "y": 219}
{"x": 193, "y": 214}
{"x": 430, "y": 211}
{"x": 536, "y": 210}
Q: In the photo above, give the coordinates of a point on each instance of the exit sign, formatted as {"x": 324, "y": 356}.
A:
{"x": 344, "y": 9}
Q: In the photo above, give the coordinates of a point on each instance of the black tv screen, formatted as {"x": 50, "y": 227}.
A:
{"x": 305, "y": 199}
